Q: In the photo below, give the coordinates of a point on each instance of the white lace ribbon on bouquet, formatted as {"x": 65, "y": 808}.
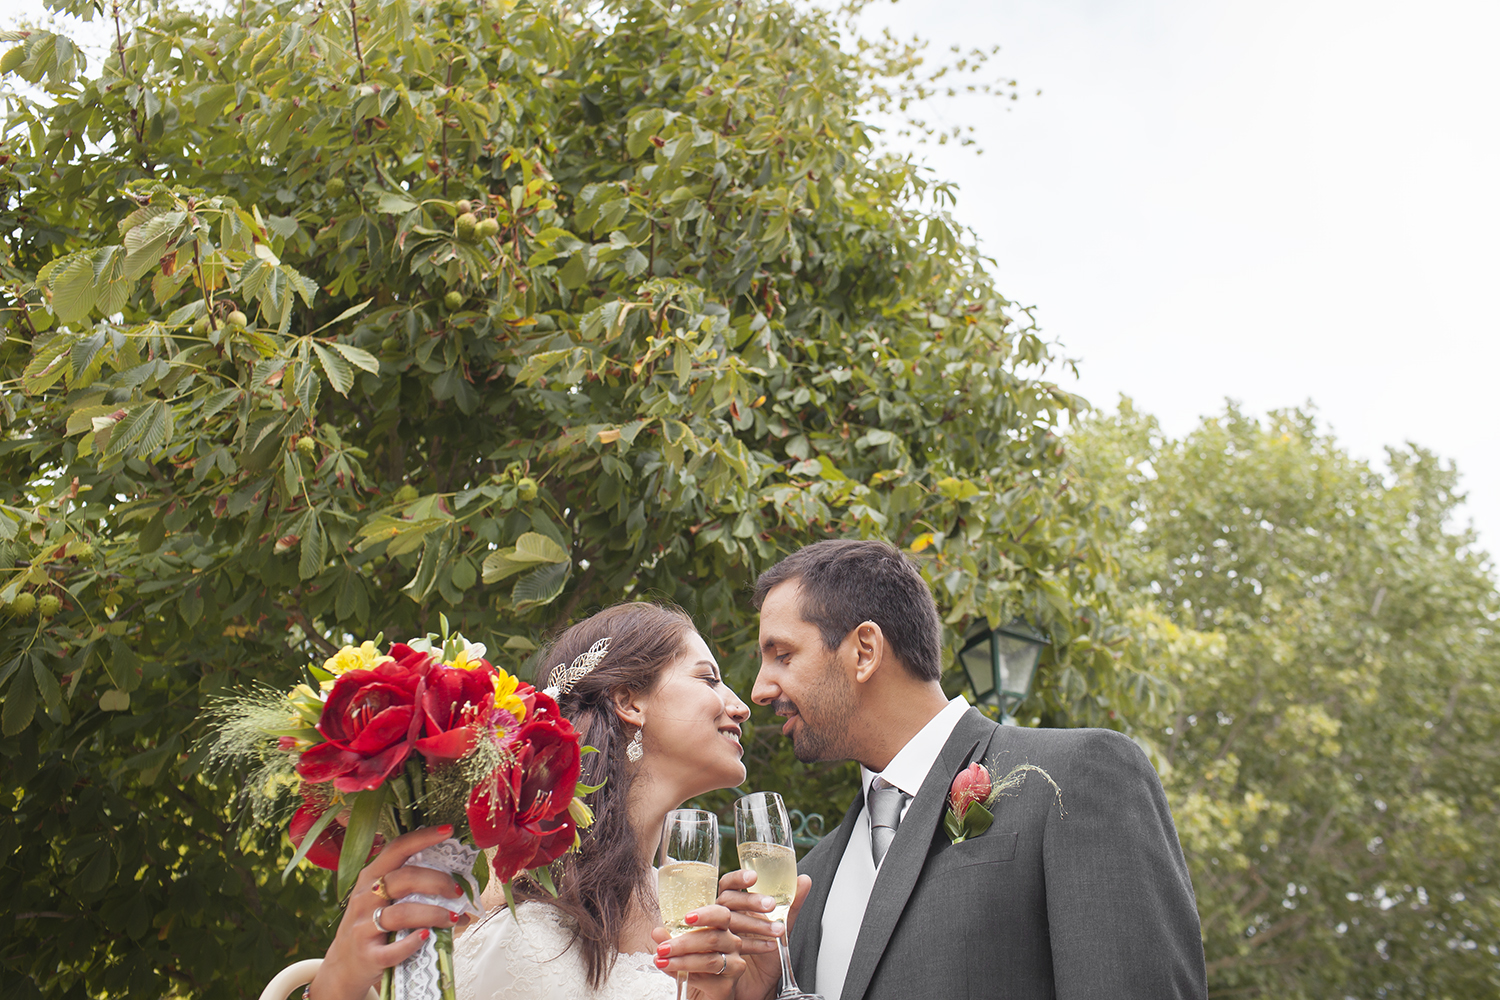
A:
{"x": 417, "y": 978}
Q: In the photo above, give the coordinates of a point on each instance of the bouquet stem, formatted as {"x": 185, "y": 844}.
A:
{"x": 432, "y": 977}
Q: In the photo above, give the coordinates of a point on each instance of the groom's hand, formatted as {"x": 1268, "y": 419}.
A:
{"x": 750, "y": 920}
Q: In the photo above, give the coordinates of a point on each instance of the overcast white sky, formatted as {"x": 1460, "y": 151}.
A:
{"x": 1277, "y": 201}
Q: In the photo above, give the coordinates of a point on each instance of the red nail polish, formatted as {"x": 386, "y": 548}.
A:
{"x": 453, "y": 917}
{"x": 691, "y": 918}
{"x": 426, "y": 934}
{"x": 664, "y": 949}
{"x": 661, "y": 963}
{"x": 446, "y": 828}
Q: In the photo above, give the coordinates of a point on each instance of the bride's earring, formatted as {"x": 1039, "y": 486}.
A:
{"x": 633, "y": 750}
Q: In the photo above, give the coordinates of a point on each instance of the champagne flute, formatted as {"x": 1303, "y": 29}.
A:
{"x": 688, "y": 876}
{"x": 764, "y": 836}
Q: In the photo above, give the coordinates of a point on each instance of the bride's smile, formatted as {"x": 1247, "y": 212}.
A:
{"x": 691, "y": 725}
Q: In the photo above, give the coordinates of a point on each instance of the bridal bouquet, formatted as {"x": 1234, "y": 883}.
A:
{"x": 429, "y": 732}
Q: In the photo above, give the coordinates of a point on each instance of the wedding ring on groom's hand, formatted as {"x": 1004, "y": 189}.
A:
{"x": 375, "y": 919}
{"x": 379, "y": 889}
{"x": 725, "y": 959}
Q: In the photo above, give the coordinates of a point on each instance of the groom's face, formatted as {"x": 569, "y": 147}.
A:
{"x": 803, "y": 680}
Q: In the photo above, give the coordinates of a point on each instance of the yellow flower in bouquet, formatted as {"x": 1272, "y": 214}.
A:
{"x": 362, "y": 657}
{"x": 506, "y": 698}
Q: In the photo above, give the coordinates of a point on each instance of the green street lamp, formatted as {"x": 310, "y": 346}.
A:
{"x": 1000, "y": 663}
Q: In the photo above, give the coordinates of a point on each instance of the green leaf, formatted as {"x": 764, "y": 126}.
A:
{"x": 114, "y": 700}
{"x": 540, "y": 586}
{"x": 311, "y": 838}
{"x": 498, "y": 565}
{"x": 20, "y": 704}
{"x": 73, "y": 283}
{"x": 142, "y": 431}
{"x": 532, "y": 547}
{"x": 218, "y": 401}
{"x": 340, "y": 375}
{"x": 358, "y": 357}
{"x": 47, "y": 685}
{"x": 191, "y": 605}
{"x": 153, "y": 534}
{"x": 977, "y": 819}
{"x": 392, "y": 203}
{"x": 359, "y": 837}
{"x": 313, "y": 551}
{"x": 463, "y": 575}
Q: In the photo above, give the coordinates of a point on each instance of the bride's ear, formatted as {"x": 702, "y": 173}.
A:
{"x": 629, "y": 707}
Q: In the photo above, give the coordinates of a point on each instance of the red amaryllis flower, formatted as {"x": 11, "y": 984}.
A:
{"x": 326, "y": 849}
{"x": 455, "y": 708}
{"x": 370, "y": 722}
{"x": 549, "y": 759}
{"x": 555, "y": 840}
{"x": 522, "y": 809}
{"x": 970, "y": 785}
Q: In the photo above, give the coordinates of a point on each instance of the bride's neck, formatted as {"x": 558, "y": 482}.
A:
{"x": 649, "y": 805}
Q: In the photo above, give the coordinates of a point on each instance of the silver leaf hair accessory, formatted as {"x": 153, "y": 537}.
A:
{"x": 562, "y": 679}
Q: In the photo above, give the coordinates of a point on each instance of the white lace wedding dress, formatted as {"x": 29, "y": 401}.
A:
{"x": 533, "y": 958}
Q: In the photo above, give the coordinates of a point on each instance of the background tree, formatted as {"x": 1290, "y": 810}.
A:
{"x": 321, "y": 319}
{"x": 1332, "y": 763}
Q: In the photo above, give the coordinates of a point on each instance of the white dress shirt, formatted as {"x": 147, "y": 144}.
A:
{"x": 844, "y": 912}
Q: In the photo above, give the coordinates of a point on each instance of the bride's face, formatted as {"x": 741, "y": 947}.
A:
{"x": 692, "y": 729}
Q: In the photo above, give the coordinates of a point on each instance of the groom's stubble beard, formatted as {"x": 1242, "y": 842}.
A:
{"x": 827, "y": 714}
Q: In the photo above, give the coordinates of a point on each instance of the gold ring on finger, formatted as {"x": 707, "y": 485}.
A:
{"x": 380, "y": 890}
{"x": 375, "y": 919}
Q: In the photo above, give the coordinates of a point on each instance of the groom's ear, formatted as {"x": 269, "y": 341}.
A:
{"x": 869, "y": 650}
{"x": 628, "y": 706}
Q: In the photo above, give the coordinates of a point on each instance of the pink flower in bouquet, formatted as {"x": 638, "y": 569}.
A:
{"x": 455, "y": 707}
{"x": 370, "y": 723}
{"x": 522, "y": 809}
{"x": 971, "y": 785}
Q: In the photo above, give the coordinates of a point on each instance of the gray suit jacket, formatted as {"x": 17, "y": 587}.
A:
{"x": 1092, "y": 904}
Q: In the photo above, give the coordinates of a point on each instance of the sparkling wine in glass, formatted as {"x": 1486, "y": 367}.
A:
{"x": 764, "y": 835}
{"x": 688, "y": 875}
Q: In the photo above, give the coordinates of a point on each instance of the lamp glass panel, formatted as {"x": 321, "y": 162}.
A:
{"x": 976, "y": 661}
{"x": 1017, "y": 663}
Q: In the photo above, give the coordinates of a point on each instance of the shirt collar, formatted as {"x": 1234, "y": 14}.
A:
{"x": 908, "y": 769}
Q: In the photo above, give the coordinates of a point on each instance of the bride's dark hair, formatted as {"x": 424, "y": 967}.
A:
{"x": 600, "y": 882}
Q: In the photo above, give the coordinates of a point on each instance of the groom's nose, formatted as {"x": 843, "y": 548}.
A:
{"x": 764, "y": 692}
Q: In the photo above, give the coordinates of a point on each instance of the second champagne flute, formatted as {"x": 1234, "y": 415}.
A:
{"x": 764, "y": 834}
{"x": 688, "y": 875}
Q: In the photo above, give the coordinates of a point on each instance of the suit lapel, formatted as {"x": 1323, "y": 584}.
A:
{"x": 821, "y": 863}
{"x": 908, "y": 852}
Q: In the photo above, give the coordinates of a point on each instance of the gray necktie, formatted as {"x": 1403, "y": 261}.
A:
{"x": 885, "y": 801}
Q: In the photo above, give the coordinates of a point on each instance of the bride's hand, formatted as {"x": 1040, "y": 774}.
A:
{"x": 709, "y": 953}
{"x": 757, "y": 932}
{"x": 359, "y": 952}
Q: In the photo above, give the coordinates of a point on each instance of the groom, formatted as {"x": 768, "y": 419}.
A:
{"x": 1086, "y": 897}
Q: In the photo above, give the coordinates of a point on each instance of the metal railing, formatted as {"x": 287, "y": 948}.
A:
{"x": 807, "y": 829}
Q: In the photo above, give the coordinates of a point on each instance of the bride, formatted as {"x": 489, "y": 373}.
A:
{"x": 666, "y": 728}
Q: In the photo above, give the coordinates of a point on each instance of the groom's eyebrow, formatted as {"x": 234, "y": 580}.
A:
{"x": 768, "y": 644}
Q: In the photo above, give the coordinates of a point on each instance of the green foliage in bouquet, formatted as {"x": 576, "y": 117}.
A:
{"x": 324, "y": 318}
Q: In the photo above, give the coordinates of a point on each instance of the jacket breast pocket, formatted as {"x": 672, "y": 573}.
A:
{"x": 991, "y": 847}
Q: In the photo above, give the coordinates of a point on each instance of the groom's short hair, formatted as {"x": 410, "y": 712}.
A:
{"x": 848, "y": 581}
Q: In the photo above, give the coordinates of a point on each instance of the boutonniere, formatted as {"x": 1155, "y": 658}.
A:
{"x": 971, "y": 798}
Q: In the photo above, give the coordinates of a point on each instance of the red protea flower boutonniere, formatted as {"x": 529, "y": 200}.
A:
{"x": 971, "y": 798}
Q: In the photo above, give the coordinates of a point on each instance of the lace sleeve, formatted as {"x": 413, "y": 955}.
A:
{"x": 534, "y": 959}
